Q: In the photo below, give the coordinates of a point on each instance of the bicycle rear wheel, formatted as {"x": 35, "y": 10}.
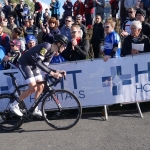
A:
{"x": 9, "y": 121}
{"x": 65, "y": 118}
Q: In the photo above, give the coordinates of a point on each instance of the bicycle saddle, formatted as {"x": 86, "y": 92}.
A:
{"x": 9, "y": 73}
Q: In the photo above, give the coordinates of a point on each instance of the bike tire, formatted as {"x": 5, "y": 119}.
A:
{"x": 10, "y": 121}
{"x": 68, "y": 116}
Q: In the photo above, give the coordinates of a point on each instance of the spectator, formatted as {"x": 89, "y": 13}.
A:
{"x": 83, "y": 27}
{"x": 2, "y": 17}
{"x": 126, "y": 25}
{"x": 5, "y": 29}
{"x": 31, "y": 29}
{"x": 78, "y": 8}
{"x": 97, "y": 39}
{"x": 30, "y": 41}
{"x": 11, "y": 24}
{"x": 99, "y": 4}
{"x": 2, "y": 54}
{"x": 14, "y": 54}
{"x": 145, "y": 4}
{"x": 136, "y": 37}
{"x": 37, "y": 12}
{"x": 140, "y": 15}
{"x": 16, "y": 32}
{"x": 114, "y": 7}
{"x": 55, "y": 9}
{"x": 45, "y": 15}
{"x": 89, "y": 11}
{"x": 19, "y": 10}
{"x": 65, "y": 30}
{"x": 112, "y": 42}
{"x": 57, "y": 58}
{"x": 50, "y": 30}
{"x": 25, "y": 12}
{"x": 68, "y": 10}
{"x": 77, "y": 48}
{"x": 131, "y": 4}
{"x": 6, "y": 9}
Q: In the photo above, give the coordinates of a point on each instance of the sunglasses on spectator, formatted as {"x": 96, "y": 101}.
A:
{"x": 78, "y": 19}
{"x": 73, "y": 32}
{"x": 130, "y": 12}
{"x": 68, "y": 20}
{"x": 107, "y": 27}
{"x": 52, "y": 22}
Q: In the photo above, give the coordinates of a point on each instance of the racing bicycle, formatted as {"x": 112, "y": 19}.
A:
{"x": 61, "y": 109}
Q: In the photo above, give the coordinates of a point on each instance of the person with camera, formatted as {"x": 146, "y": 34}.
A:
{"x": 49, "y": 30}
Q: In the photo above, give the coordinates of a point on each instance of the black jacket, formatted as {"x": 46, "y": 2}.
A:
{"x": 98, "y": 34}
{"x": 83, "y": 28}
{"x": 146, "y": 29}
{"x": 127, "y": 45}
{"x": 80, "y": 52}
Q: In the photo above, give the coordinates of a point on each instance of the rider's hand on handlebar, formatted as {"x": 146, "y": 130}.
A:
{"x": 63, "y": 72}
{"x": 56, "y": 75}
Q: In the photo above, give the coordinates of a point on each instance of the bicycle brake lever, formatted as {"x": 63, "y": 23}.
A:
{"x": 64, "y": 77}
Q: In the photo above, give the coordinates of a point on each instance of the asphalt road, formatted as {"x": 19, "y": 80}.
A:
{"x": 123, "y": 131}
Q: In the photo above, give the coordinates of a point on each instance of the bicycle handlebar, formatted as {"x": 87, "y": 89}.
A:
{"x": 54, "y": 81}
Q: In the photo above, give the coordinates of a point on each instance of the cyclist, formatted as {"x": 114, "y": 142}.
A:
{"x": 30, "y": 62}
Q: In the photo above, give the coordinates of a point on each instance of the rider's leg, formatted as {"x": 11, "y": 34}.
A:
{"x": 39, "y": 90}
{"x": 32, "y": 88}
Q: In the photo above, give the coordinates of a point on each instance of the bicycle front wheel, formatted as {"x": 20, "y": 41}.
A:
{"x": 67, "y": 116}
{"x": 8, "y": 120}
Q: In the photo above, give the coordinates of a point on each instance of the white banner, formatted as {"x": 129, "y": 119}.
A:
{"x": 97, "y": 83}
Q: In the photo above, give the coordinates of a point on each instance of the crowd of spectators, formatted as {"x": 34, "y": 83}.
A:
{"x": 22, "y": 29}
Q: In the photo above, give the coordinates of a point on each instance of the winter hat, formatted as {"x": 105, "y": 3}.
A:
{"x": 30, "y": 38}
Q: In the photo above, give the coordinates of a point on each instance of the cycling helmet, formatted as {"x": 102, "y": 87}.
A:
{"x": 61, "y": 38}
{"x": 30, "y": 38}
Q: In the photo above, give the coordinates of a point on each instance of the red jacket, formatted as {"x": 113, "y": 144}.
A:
{"x": 90, "y": 9}
{"x": 114, "y": 4}
{"x": 79, "y": 8}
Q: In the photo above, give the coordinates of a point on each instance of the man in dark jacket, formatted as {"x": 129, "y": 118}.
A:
{"x": 19, "y": 10}
{"x": 131, "y": 42}
{"x": 97, "y": 39}
{"x": 89, "y": 11}
{"x": 82, "y": 26}
{"x": 37, "y": 12}
{"x": 77, "y": 48}
{"x": 140, "y": 15}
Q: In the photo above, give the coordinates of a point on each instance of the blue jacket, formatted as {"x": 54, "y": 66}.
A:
{"x": 56, "y": 8}
{"x": 68, "y": 9}
{"x": 2, "y": 54}
{"x": 48, "y": 37}
{"x": 66, "y": 31}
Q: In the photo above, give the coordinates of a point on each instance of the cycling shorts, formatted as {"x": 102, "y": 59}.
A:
{"x": 31, "y": 73}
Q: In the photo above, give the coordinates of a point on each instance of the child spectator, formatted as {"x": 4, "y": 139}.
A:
{"x": 14, "y": 54}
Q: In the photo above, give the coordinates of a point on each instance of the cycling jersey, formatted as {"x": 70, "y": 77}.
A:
{"x": 37, "y": 57}
{"x": 112, "y": 40}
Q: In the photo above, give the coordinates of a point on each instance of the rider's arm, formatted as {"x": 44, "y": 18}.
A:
{"x": 43, "y": 67}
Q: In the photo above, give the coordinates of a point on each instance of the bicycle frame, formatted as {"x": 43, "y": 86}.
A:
{"x": 47, "y": 89}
